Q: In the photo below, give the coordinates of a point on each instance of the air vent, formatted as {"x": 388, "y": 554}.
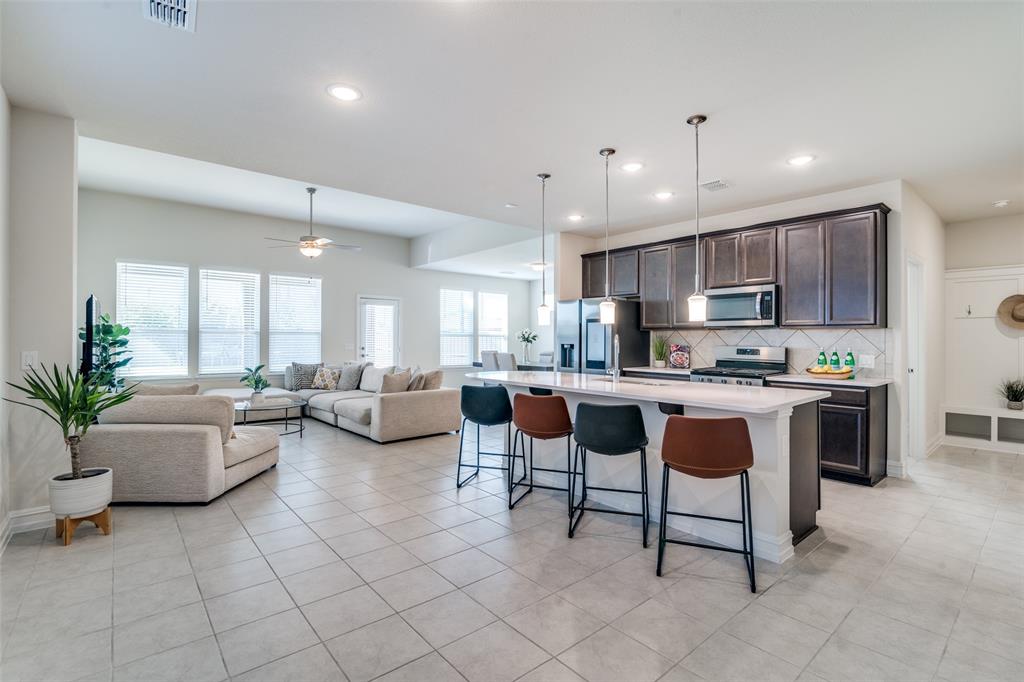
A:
{"x": 715, "y": 185}
{"x": 179, "y": 14}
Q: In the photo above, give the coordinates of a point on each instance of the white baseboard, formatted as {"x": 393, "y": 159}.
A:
{"x": 895, "y": 469}
{"x": 21, "y": 520}
{"x": 934, "y": 445}
{"x": 5, "y": 533}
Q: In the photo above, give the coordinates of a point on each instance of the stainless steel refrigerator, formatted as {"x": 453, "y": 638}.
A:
{"x": 583, "y": 344}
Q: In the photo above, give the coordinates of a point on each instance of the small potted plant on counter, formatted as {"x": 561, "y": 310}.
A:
{"x": 254, "y": 379}
{"x": 527, "y": 337}
{"x": 660, "y": 349}
{"x": 1013, "y": 391}
{"x": 74, "y": 403}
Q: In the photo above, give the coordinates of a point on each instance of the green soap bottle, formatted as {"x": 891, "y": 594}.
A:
{"x": 834, "y": 361}
{"x": 849, "y": 362}
{"x": 822, "y": 360}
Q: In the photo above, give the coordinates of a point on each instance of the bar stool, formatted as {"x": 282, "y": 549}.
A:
{"x": 544, "y": 418}
{"x": 484, "y": 406}
{"x": 611, "y": 430}
{"x": 709, "y": 448}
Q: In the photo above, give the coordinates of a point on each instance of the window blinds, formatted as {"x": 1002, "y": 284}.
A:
{"x": 456, "y": 328}
{"x": 493, "y": 331}
{"x": 229, "y": 321}
{"x": 294, "y": 321}
{"x": 153, "y": 301}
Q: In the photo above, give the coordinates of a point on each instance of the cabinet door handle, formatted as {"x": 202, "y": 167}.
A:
{"x": 968, "y": 310}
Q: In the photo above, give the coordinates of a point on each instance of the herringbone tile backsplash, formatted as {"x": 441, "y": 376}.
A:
{"x": 802, "y": 344}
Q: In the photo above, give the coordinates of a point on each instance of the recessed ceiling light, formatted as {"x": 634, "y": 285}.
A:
{"x": 1002, "y": 203}
{"x": 538, "y": 266}
{"x": 631, "y": 167}
{"x": 664, "y": 196}
{"x": 511, "y": 205}
{"x": 506, "y": 272}
{"x": 346, "y": 93}
{"x": 575, "y": 217}
{"x": 801, "y": 160}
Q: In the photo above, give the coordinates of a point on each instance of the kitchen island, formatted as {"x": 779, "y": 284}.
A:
{"x": 783, "y": 423}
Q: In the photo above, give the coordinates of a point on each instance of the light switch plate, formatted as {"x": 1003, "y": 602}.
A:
{"x": 29, "y": 359}
{"x": 866, "y": 361}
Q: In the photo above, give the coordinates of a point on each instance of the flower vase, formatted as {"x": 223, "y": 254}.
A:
{"x": 526, "y": 353}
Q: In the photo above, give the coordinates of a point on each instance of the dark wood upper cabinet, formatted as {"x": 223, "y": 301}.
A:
{"x": 684, "y": 267}
{"x": 656, "y": 287}
{"x": 852, "y": 270}
{"x": 625, "y": 273}
{"x": 802, "y": 274}
{"x": 723, "y": 261}
{"x": 757, "y": 257}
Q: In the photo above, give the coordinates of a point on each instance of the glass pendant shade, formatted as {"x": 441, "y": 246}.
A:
{"x": 310, "y": 251}
{"x": 543, "y": 315}
{"x": 607, "y": 311}
{"x": 698, "y": 305}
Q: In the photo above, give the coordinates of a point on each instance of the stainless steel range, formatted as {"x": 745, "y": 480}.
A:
{"x": 743, "y": 365}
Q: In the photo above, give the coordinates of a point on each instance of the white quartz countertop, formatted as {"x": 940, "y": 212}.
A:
{"x": 725, "y": 397}
{"x": 668, "y": 371}
{"x": 858, "y": 382}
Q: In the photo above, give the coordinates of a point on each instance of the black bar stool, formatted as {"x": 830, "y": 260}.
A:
{"x": 545, "y": 418}
{"x": 611, "y": 430}
{"x": 484, "y": 406}
{"x": 709, "y": 448}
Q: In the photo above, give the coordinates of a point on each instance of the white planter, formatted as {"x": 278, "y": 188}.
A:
{"x": 81, "y": 497}
{"x": 257, "y": 398}
{"x": 659, "y": 363}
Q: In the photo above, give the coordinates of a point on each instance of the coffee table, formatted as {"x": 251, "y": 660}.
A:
{"x": 288, "y": 422}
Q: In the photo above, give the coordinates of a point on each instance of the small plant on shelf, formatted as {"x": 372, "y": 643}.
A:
{"x": 527, "y": 337}
{"x": 1013, "y": 391}
{"x": 659, "y": 347}
{"x": 254, "y": 379}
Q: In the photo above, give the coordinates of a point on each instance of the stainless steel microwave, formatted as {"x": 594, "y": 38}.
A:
{"x": 753, "y": 306}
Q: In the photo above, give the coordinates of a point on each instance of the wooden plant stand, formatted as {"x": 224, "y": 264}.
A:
{"x": 67, "y": 525}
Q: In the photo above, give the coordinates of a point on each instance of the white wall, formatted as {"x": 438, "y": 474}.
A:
{"x": 42, "y": 304}
{"x": 118, "y": 226}
{"x": 987, "y": 242}
{"x": 5, "y": 322}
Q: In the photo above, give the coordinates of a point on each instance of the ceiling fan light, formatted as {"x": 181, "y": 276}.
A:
{"x": 310, "y": 250}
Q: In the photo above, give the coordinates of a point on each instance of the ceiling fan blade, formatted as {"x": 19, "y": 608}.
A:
{"x": 286, "y": 241}
{"x": 322, "y": 241}
{"x": 343, "y": 247}
{"x": 287, "y": 246}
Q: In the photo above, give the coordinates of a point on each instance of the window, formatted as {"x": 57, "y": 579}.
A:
{"x": 456, "y": 328}
{"x": 229, "y": 321}
{"x": 294, "y": 320}
{"x": 153, "y": 301}
{"x": 492, "y": 333}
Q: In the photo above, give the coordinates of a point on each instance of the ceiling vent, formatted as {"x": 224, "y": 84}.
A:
{"x": 179, "y": 14}
{"x": 715, "y": 185}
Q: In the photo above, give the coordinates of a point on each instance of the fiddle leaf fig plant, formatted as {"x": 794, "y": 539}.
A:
{"x": 110, "y": 351}
{"x": 71, "y": 401}
{"x": 254, "y": 379}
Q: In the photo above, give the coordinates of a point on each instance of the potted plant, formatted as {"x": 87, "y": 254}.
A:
{"x": 527, "y": 337}
{"x": 660, "y": 349}
{"x": 74, "y": 402}
{"x": 110, "y": 351}
{"x": 1013, "y": 391}
{"x": 254, "y": 379}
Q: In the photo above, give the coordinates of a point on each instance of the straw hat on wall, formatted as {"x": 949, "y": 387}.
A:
{"x": 1011, "y": 311}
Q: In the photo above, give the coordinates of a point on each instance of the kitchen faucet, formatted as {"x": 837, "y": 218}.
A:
{"x": 616, "y": 370}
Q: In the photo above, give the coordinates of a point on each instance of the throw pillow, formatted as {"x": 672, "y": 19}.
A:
{"x": 372, "y": 378}
{"x": 351, "y": 373}
{"x": 432, "y": 380}
{"x": 416, "y": 383}
{"x": 326, "y": 378}
{"x": 395, "y": 383}
{"x": 302, "y": 374}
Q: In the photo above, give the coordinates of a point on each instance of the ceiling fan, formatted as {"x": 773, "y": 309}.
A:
{"x": 310, "y": 245}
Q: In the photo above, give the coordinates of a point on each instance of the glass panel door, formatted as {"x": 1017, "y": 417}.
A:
{"x": 378, "y": 331}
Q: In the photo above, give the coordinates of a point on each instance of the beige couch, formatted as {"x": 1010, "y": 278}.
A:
{"x": 177, "y": 448}
{"x": 383, "y": 417}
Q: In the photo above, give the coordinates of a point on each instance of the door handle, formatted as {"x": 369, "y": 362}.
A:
{"x": 968, "y": 310}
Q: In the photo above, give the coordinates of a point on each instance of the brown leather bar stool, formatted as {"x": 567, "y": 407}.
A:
{"x": 709, "y": 448}
{"x": 544, "y": 418}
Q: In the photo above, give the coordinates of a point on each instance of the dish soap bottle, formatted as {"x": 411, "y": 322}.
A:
{"x": 822, "y": 360}
{"x": 834, "y": 362}
{"x": 849, "y": 362}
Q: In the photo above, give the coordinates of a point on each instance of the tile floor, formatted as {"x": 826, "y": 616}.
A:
{"x": 357, "y": 561}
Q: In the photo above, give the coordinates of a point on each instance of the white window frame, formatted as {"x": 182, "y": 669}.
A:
{"x": 475, "y": 334}
{"x": 476, "y": 322}
{"x": 270, "y": 322}
{"x": 471, "y": 334}
{"x": 257, "y": 331}
{"x": 119, "y": 313}
{"x": 360, "y": 298}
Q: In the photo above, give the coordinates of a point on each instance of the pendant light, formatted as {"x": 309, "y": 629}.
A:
{"x": 607, "y": 308}
{"x": 697, "y": 302}
{"x": 543, "y": 310}
{"x": 309, "y": 247}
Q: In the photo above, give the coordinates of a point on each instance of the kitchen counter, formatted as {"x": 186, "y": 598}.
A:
{"x": 783, "y": 426}
{"x": 859, "y": 382}
{"x": 667, "y": 371}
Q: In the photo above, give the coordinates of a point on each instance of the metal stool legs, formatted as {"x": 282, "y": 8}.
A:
{"x": 579, "y": 468}
{"x": 746, "y": 520}
{"x": 459, "y": 481}
{"x": 528, "y": 470}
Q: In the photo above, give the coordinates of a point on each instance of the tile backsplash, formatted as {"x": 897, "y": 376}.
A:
{"x": 802, "y": 344}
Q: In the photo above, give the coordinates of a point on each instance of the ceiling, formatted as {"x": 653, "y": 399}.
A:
{"x": 119, "y": 168}
{"x": 509, "y": 261}
{"x": 465, "y": 102}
